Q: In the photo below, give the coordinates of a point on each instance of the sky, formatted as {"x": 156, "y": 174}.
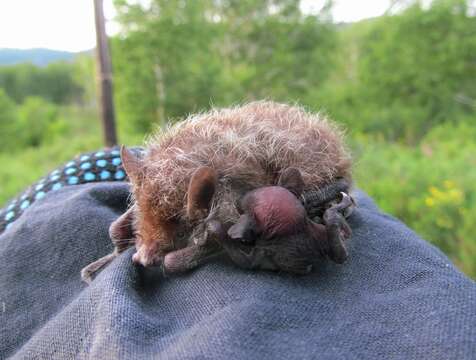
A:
{"x": 69, "y": 24}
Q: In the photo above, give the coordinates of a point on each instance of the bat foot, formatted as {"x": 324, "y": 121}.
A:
{"x": 89, "y": 272}
{"x": 338, "y": 231}
{"x": 87, "y": 275}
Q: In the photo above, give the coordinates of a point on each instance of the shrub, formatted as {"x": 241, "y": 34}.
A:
{"x": 432, "y": 188}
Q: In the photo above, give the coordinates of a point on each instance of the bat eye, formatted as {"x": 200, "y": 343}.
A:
{"x": 249, "y": 237}
{"x": 238, "y": 207}
{"x": 248, "y": 241}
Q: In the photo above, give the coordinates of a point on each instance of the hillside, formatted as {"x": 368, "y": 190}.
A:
{"x": 40, "y": 57}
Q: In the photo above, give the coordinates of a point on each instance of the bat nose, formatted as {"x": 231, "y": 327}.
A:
{"x": 136, "y": 259}
{"x": 141, "y": 257}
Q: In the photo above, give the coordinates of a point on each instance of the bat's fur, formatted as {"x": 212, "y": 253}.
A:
{"x": 248, "y": 146}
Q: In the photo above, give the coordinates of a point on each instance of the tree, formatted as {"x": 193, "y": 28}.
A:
{"x": 180, "y": 57}
{"x": 416, "y": 69}
{"x": 8, "y": 122}
{"x": 54, "y": 82}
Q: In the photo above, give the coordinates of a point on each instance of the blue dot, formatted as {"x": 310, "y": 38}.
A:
{"x": 119, "y": 175}
{"x": 70, "y": 171}
{"x": 56, "y": 172}
{"x": 84, "y": 157}
{"x": 24, "y": 204}
{"x": 39, "y": 187}
{"x": 89, "y": 176}
{"x": 105, "y": 175}
{"x": 8, "y": 226}
{"x": 116, "y": 161}
{"x": 9, "y": 215}
{"x": 115, "y": 153}
{"x": 100, "y": 154}
{"x": 24, "y": 196}
{"x": 86, "y": 166}
{"x": 56, "y": 186}
{"x": 55, "y": 178}
{"x": 40, "y": 195}
{"x": 71, "y": 163}
{"x": 73, "y": 180}
{"x": 11, "y": 206}
{"x": 101, "y": 163}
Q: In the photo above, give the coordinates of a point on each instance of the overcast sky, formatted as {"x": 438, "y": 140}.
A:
{"x": 69, "y": 24}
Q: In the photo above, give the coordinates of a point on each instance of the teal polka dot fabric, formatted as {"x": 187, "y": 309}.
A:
{"x": 104, "y": 165}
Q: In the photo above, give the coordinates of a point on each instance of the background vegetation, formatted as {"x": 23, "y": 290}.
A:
{"x": 403, "y": 85}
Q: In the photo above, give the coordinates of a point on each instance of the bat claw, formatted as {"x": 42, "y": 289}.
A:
{"x": 337, "y": 228}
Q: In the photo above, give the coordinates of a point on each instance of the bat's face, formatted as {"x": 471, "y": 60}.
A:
{"x": 274, "y": 232}
{"x": 156, "y": 235}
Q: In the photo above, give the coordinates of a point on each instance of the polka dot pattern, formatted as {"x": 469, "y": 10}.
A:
{"x": 85, "y": 166}
{"x": 73, "y": 180}
{"x": 89, "y": 176}
{"x": 40, "y": 195}
{"x": 104, "y": 165}
{"x": 116, "y": 161}
{"x": 10, "y": 215}
{"x": 119, "y": 175}
{"x": 24, "y": 204}
{"x": 101, "y": 163}
{"x": 105, "y": 175}
{"x": 70, "y": 171}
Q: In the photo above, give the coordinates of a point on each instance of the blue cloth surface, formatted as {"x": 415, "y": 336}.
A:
{"x": 397, "y": 297}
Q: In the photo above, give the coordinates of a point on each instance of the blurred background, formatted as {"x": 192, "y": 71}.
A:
{"x": 399, "y": 75}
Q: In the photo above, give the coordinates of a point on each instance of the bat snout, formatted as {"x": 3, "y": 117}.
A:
{"x": 146, "y": 257}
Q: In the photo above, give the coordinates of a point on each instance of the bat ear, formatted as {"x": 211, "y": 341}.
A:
{"x": 122, "y": 229}
{"x": 132, "y": 164}
{"x": 200, "y": 192}
{"x": 243, "y": 230}
{"x": 291, "y": 179}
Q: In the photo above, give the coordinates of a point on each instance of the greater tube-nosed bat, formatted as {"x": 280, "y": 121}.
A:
{"x": 265, "y": 183}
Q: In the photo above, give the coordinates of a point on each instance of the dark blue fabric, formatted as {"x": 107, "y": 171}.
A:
{"x": 397, "y": 297}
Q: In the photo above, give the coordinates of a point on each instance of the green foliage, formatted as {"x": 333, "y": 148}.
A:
{"x": 38, "y": 122}
{"x": 84, "y": 76}
{"x": 413, "y": 71}
{"x": 181, "y": 57}
{"x": 30, "y": 124}
{"x": 432, "y": 188}
{"x": 8, "y": 121}
{"x": 54, "y": 82}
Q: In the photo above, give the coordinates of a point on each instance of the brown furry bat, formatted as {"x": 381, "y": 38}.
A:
{"x": 235, "y": 180}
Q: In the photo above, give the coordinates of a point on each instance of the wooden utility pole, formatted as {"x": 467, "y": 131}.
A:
{"x": 104, "y": 74}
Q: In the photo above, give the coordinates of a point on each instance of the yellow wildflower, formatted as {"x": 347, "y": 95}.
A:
{"x": 430, "y": 202}
{"x": 449, "y": 184}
